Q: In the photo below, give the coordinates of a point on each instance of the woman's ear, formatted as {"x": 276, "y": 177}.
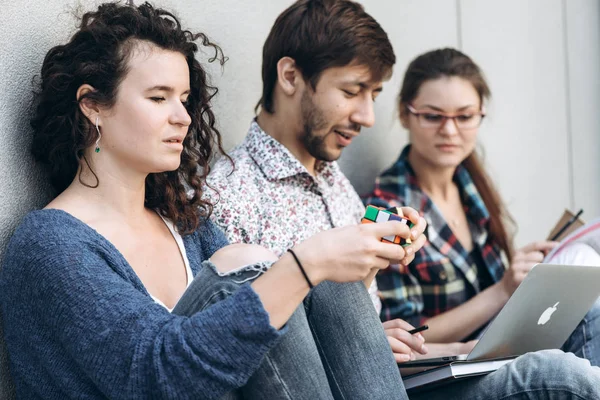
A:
{"x": 289, "y": 77}
{"x": 87, "y": 107}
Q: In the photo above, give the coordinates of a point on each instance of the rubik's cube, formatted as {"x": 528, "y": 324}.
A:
{"x": 378, "y": 214}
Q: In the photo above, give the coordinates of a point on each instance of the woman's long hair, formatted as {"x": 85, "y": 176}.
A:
{"x": 448, "y": 63}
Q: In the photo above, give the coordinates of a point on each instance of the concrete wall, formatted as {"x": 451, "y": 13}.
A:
{"x": 542, "y": 59}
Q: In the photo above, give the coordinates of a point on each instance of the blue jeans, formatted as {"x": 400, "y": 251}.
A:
{"x": 584, "y": 342}
{"x": 335, "y": 347}
{"x": 543, "y": 375}
{"x": 549, "y": 374}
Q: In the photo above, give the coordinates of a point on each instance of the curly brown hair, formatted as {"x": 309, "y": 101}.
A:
{"x": 97, "y": 55}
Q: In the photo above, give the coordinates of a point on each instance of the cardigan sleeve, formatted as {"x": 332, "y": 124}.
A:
{"x": 120, "y": 339}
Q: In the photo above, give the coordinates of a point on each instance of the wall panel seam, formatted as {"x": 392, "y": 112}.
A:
{"x": 459, "y": 25}
{"x": 568, "y": 110}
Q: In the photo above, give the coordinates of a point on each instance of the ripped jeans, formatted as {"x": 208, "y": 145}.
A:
{"x": 335, "y": 347}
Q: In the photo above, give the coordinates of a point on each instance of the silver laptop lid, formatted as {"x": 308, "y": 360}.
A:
{"x": 542, "y": 313}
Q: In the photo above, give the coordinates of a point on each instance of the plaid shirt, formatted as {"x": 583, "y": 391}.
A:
{"x": 443, "y": 274}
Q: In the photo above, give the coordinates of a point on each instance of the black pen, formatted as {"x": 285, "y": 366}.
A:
{"x": 419, "y": 329}
{"x": 566, "y": 225}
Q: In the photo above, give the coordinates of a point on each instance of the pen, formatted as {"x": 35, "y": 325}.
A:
{"x": 567, "y": 225}
{"x": 419, "y": 329}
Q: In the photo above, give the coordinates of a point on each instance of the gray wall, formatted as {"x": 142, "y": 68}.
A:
{"x": 542, "y": 58}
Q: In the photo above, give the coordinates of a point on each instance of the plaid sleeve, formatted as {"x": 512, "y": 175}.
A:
{"x": 401, "y": 295}
{"x": 399, "y": 290}
{"x": 383, "y": 195}
{"x": 372, "y": 200}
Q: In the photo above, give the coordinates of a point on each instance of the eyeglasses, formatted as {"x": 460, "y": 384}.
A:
{"x": 435, "y": 120}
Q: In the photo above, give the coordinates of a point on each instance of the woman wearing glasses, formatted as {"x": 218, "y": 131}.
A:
{"x": 460, "y": 279}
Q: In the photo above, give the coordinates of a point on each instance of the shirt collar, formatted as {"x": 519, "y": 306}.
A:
{"x": 277, "y": 162}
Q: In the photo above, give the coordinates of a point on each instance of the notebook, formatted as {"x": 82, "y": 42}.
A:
{"x": 449, "y": 372}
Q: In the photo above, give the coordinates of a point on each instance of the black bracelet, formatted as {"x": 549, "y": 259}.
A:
{"x": 310, "y": 285}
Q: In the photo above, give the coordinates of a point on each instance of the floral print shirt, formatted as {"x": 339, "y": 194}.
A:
{"x": 268, "y": 197}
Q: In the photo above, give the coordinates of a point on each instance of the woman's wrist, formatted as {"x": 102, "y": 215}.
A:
{"x": 501, "y": 292}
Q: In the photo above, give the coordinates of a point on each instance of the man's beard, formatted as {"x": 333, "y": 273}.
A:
{"x": 314, "y": 120}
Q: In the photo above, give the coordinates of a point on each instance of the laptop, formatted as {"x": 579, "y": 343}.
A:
{"x": 541, "y": 314}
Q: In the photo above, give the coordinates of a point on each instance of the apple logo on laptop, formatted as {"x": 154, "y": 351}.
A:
{"x": 545, "y": 317}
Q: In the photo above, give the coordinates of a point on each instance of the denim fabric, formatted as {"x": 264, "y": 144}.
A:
{"x": 543, "y": 375}
{"x": 585, "y": 340}
{"x": 335, "y": 346}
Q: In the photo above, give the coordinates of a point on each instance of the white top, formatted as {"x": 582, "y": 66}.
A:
{"x": 188, "y": 270}
{"x": 577, "y": 254}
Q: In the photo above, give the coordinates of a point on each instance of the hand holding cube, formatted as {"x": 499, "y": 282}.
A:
{"x": 378, "y": 214}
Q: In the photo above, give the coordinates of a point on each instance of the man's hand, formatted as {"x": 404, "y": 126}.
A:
{"x": 416, "y": 235}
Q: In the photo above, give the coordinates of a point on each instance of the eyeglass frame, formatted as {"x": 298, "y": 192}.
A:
{"x": 446, "y": 116}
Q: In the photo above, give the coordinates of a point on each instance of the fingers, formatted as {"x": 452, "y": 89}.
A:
{"x": 416, "y": 234}
{"x": 396, "y": 228}
{"x": 526, "y": 261}
{"x": 380, "y": 263}
{"x": 394, "y": 253}
{"x": 402, "y": 352}
{"x": 416, "y": 245}
{"x": 388, "y": 228}
{"x": 413, "y": 215}
{"x": 418, "y": 228}
{"x": 532, "y": 254}
{"x": 388, "y": 253}
{"x": 541, "y": 246}
{"x": 397, "y": 324}
{"x": 521, "y": 268}
{"x": 530, "y": 257}
{"x": 404, "y": 342}
{"x": 410, "y": 213}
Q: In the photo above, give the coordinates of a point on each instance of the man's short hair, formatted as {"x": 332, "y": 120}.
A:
{"x": 320, "y": 34}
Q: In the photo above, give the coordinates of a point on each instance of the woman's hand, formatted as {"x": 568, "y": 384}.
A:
{"x": 348, "y": 254}
{"x": 404, "y": 345}
{"x": 523, "y": 260}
